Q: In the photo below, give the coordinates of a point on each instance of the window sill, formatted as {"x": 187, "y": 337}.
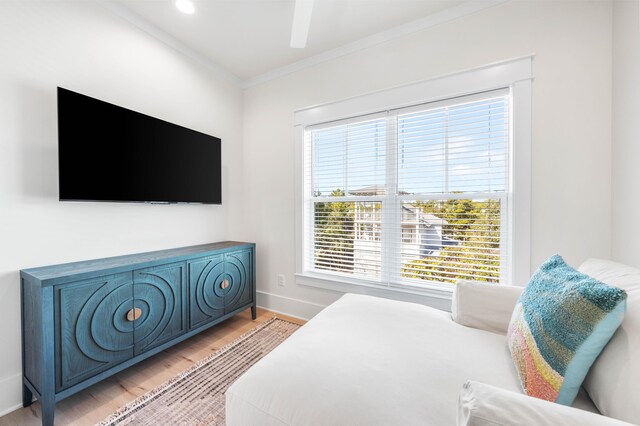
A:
{"x": 434, "y": 296}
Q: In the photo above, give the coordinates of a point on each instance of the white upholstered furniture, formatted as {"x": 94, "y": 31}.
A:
{"x": 372, "y": 361}
{"x": 485, "y": 405}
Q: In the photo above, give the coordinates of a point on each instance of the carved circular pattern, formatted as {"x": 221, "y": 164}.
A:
{"x": 102, "y": 329}
{"x": 209, "y": 291}
{"x": 237, "y": 271}
{"x": 155, "y": 297}
{"x": 120, "y": 322}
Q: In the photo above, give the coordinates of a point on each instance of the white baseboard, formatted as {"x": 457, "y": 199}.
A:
{"x": 10, "y": 394}
{"x": 288, "y": 306}
{"x": 11, "y": 387}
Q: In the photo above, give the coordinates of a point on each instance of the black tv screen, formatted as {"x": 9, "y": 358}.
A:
{"x": 110, "y": 153}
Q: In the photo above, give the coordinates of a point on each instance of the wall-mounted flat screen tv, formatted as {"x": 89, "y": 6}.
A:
{"x": 110, "y": 153}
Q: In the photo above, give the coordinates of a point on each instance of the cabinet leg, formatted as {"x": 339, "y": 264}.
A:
{"x": 47, "y": 408}
{"x": 253, "y": 312}
{"x": 27, "y": 396}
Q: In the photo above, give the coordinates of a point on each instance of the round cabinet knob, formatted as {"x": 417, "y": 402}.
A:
{"x": 224, "y": 284}
{"x": 134, "y": 314}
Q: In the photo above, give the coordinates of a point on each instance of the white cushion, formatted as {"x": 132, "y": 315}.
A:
{"x": 480, "y": 404}
{"x": 370, "y": 361}
{"x": 484, "y": 306}
{"x": 613, "y": 383}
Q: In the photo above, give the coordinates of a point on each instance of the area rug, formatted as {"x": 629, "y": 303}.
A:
{"x": 196, "y": 396}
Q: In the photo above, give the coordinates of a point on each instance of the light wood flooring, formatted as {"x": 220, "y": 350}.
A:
{"x": 100, "y": 400}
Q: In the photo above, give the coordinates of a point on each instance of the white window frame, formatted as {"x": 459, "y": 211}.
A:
{"x": 515, "y": 74}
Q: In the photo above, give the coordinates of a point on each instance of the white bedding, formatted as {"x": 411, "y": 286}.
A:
{"x": 370, "y": 361}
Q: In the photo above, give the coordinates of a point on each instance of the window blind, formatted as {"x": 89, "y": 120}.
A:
{"x": 412, "y": 196}
{"x": 345, "y": 173}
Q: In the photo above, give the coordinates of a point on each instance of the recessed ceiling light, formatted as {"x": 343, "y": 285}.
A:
{"x": 185, "y": 6}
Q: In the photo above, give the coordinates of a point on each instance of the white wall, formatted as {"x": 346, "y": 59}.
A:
{"x": 83, "y": 47}
{"x": 571, "y": 161}
{"x": 626, "y": 133}
{"x": 80, "y": 46}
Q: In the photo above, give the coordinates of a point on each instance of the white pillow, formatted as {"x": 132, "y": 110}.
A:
{"x": 484, "y": 405}
{"x": 484, "y": 306}
{"x": 613, "y": 382}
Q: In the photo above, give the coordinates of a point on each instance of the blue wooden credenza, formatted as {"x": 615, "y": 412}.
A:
{"x": 85, "y": 321}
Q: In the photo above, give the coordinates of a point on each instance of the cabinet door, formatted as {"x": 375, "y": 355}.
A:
{"x": 159, "y": 305}
{"x": 238, "y": 268}
{"x": 94, "y": 333}
{"x": 206, "y": 295}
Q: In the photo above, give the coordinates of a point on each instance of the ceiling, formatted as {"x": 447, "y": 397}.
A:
{"x": 249, "y": 38}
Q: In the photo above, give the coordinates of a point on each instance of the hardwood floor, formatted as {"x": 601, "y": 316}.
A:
{"x": 100, "y": 400}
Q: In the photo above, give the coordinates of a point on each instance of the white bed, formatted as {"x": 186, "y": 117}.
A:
{"x": 371, "y": 361}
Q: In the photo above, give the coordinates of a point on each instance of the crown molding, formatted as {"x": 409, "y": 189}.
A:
{"x": 133, "y": 18}
{"x": 429, "y": 21}
{"x": 450, "y": 14}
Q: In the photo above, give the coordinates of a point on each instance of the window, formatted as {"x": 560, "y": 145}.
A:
{"x": 440, "y": 173}
{"x": 346, "y": 177}
{"x": 453, "y": 173}
{"x": 414, "y": 198}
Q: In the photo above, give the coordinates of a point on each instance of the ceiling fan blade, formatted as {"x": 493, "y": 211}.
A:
{"x": 301, "y": 22}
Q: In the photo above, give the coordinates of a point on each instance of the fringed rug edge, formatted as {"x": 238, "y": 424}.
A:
{"x": 160, "y": 389}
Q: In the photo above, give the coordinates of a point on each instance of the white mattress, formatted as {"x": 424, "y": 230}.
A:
{"x": 371, "y": 361}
